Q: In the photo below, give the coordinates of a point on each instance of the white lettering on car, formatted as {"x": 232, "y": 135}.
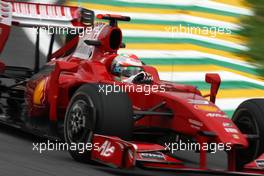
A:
{"x": 106, "y": 149}
{"x": 231, "y": 130}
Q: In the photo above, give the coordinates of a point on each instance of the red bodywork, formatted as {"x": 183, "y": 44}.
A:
{"x": 256, "y": 166}
{"x": 193, "y": 114}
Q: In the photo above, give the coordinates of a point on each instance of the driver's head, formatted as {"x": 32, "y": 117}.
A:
{"x": 126, "y": 65}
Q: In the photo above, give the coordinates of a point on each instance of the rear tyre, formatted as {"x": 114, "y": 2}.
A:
{"x": 91, "y": 111}
{"x": 249, "y": 118}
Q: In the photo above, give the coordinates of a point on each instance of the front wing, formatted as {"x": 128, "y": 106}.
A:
{"x": 117, "y": 153}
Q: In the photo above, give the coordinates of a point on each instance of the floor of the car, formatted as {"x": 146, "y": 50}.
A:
{"x": 35, "y": 129}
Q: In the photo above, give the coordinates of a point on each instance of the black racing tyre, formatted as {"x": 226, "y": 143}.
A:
{"x": 91, "y": 111}
{"x": 249, "y": 118}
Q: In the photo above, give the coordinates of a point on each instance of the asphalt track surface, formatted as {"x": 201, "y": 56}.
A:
{"x": 18, "y": 158}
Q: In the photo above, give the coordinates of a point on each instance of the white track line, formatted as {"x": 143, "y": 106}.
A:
{"x": 179, "y": 35}
{"x": 198, "y": 76}
{"x": 231, "y": 103}
{"x": 199, "y": 3}
{"x": 167, "y": 54}
{"x": 174, "y": 18}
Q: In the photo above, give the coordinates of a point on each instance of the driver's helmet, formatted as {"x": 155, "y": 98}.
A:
{"x": 126, "y": 65}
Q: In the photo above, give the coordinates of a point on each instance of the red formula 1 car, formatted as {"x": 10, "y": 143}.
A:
{"x": 77, "y": 97}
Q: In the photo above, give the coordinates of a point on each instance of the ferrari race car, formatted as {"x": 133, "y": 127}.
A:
{"x": 76, "y": 97}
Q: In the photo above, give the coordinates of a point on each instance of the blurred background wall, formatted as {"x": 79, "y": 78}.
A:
{"x": 185, "y": 39}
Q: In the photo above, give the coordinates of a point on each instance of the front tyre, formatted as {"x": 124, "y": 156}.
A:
{"x": 91, "y": 111}
{"x": 249, "y": 118}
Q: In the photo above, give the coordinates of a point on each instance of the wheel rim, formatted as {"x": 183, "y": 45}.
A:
{"x": 79, "y": 129}
{"x": 248, "y": 125}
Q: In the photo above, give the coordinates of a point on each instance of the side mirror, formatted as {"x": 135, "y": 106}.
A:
{"x": 215, "y": 81}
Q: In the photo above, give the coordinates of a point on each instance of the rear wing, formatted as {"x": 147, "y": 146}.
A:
{"x": 5, "y": 23}
{"x": 41, "y": 15}
{"x": 26, "y": 14}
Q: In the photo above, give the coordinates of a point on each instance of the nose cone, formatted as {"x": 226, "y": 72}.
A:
{"x": 216, "y": 121}
{"x": 224, "y": 128}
